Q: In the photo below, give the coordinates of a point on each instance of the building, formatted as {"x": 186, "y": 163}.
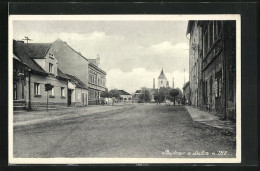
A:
{"x": 136, "y": 96}
{"x": 86, "y": 70}
{"x": 195, "y": 50}
{"x": 216, "y": 73}
{"x": 77, "y": 92}
{"x": 162, "y": 80}
{"x": 96, "y": 81}
{"x": 20, "y": 84}
{"x": 126, "y": 97}
{"x": 43, "y": 68}
{"x": 186, "y": 93}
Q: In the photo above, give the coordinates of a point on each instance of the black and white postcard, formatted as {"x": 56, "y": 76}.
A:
{"x": 107, "y": 89}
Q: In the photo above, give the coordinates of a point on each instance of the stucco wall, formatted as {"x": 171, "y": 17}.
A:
{"x": 42, "y": 99}
{"x": 79, "y": 92}
{"x": 70, "y": 61}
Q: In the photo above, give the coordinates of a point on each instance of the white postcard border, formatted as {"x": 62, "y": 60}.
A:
{"x": 237, "y": 159}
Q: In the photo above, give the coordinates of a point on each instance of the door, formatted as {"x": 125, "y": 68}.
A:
{"x": 69, "y": 97}
{"x": 15, "y": 91}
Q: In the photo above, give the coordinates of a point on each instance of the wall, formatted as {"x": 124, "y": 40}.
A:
{"x": 70, "y": 61}
{"x": 79, "y": 92}
{"x": 127, "y": 97}
{"x": 42, "y": 99}
{"x": 194, "y": 63}
{"x": 162, "y": 83}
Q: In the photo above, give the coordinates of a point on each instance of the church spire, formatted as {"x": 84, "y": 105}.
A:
{"x": 162, "y": 76}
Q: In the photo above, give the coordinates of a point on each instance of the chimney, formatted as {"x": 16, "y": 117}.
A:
{"x": 172, "y": 82}
{"x": 153, "y": 83}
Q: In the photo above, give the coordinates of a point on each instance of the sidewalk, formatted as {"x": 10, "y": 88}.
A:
{"x": 210, "y": 119}
{"x": 23, "y": 118}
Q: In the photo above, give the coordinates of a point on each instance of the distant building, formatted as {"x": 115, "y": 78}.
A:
{"x": 136, "y": 96}
{"x": 162, "y": 80}
{"x": 126, "y": 97}
{"x": 186, "y": 92}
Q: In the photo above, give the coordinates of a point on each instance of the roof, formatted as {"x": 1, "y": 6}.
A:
{"x": 77, "y": 82}
{"x": 61, "y": 74}
{"x": 15, "y": 57}
{"x": 91, "y": 61}
{"x": 20, "y": 50}
{"x": 138, "y": 91}
{"x": 37, "y": 50}
{"x": 162, "y": 76}
{"x": 96, "y": 67}
{"x": 123, "y": 92}
{"x": 190, "y": 23}
{"x": 186, "y": 84}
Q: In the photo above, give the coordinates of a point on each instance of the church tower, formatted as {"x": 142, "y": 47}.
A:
{"x": 162, "y": 80}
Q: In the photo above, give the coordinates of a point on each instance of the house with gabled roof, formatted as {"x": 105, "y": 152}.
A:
{"x": 43, "y": 68}
{"x": 87, "y": 70}
{"x": 78, "y": 92}
{"x": 125, "y": 96}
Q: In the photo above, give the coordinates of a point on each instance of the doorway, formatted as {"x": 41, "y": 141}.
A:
{"x": 69, "y": 97}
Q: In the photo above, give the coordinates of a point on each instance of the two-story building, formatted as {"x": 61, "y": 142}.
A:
{"x": 96, "y": 81}
{"x": 43, "y": 68}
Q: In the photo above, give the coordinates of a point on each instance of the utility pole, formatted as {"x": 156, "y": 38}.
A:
{"x": 26, "y": 38}
{"x": 47, "y": 99}
{"x": 184, "y": 75}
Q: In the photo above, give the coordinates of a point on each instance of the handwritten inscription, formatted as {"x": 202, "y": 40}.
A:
{"x": 195, "y": 153}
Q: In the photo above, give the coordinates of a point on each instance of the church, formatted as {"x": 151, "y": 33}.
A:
{"x": 162, "y": 80}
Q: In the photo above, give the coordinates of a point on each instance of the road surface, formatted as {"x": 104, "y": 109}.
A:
{"x": 145, "y": 130}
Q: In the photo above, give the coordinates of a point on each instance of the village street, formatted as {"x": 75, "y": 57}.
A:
{"x": 141, "y": 130}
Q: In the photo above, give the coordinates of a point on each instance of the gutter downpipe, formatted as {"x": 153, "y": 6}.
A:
{"x": 29, "y": 105}
{"x": 224, "y": 73}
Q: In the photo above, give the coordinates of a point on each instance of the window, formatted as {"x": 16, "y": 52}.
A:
{"x": 51, "y": 55}
{"x": 22, "y": 89}
{"x": 62, "y": 92}
{"x": 210, "y": 89}
{"x": 219, "y": 28}
{"x": 218, "y": 77}
{"x": 210, "y": 32}
{"x": 37, "y": 89}
{"x": 52, "y": 92}
{"x": 205, "y": 43}
{"x": 15, "y": 91}
{"x": 50, "y": 68}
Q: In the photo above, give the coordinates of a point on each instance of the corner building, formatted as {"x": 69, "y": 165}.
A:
{"x": 217, "y": 51}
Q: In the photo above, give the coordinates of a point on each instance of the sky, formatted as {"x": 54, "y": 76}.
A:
{"x": 131, "y": 52}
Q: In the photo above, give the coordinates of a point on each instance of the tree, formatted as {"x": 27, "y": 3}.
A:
{"x": 105, "y": 94}
{"x": 114, "y": 93}
{"x": 146, "y": 95}
{"x": 174, "y": 93}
